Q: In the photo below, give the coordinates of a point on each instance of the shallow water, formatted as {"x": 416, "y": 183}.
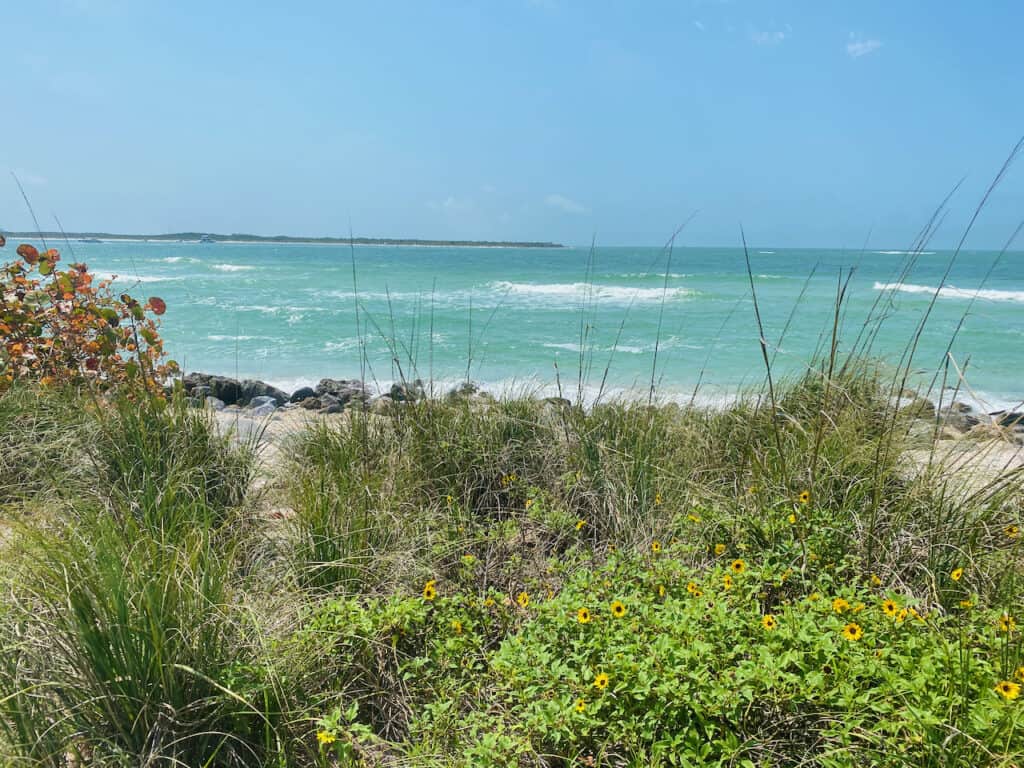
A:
{"x": 514, "y": 317}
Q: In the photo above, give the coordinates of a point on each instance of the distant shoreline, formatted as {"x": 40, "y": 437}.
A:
{"x": 204, "y": 237}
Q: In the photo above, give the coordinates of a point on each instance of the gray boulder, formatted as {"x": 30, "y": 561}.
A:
{"x": 341, "y": 390}
{"x": 260, "y": 400}
{"x": 301, "y": 394}
{"x": 214, "y": 403}
{"x": 407, "y": 392}
{"x": 959, "y": 416}
{"x": 333, "y": 408}
{"x": 263, "y": 411}
{"x": 311, "y": 404}
{"x": 251, "y": 388}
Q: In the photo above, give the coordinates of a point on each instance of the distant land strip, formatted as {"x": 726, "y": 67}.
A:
{"x": 204, "y": 237}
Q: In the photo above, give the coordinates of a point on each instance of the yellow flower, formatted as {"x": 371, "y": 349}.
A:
{"x": 618, "y": 609}
{"x": 657, "y": 499}
{"x": 580, "y": 523}
{"x": 693, "y": 518}
{"x": 786, "y": 574}
{"x": 529, "y": 503}
{"x": 325, "y": 737}
{"x": 814, "y": 597}
{"x": 752, "y": 489}
{"x": 1008, "y": 690}
{"x": 902, "y": 615}
{"x": 738, "y": 566}
{"x": 768, "y": 622}
{"x": 804, "y": 497}
{"x": 523, "y": 599}
{"x": 456, "y": 626}
{"x": 889, "y": 607}
{"x": 1006, "y": 623}
{"x": 792, "y": 519}
{"x": 1012, "y": 531}
{"x": 840, "y": 604}
{"x": 719, "y": 549}
{"x": 853, "y": 632}
{"x": 858, "y": 607}
{"x": 956, "y": 574}
{"x": 429, "y": 590}
{"x": 583, "y": 615}
{"x": 727, "y": 581}
{"x": 915, "y": 614}
{"x": 655, "y": 546}
{"x": 692, "y": 588}
{"x": 875, "y": 581}
{"x": 601, "y": 681}
{"x": 450, "y": 499}
{"x": 489, "y": 602}
{"x": 1020, "y": 673}
{"x": 581, "y": 706}
{"x": 661, "y": 590}
{"x": 966, "y": 604}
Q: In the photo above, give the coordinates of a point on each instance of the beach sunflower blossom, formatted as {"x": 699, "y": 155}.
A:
{"x": 875, "y": 581}
{"x": 727, "y": 581}
{"x": 655, "y": 546}
{"x": 581, "y": 706}
{"x": 889, "y": 608}
{"x": 430, "y": 590}
{"x": 528, "y": 504}
{"x": 1020, "y": 673}
{"x": 657, "y": 500}
{"x": 523, "y": 599}
{"x": 1012, "y": 531}
{"x": 966, "y": 604}
{"x": 804, "y": 497}
{"x": 1007, "y": 623}
{"x": 661, "y": 590}
{"x": 601, "y": 681}
{"x": 840, "y": 604}
{"x": 456, "y": 626}
{"x": 325, "y": 737}
{"x": 488, "y": 602}
{"x": 580, "y": 523}
{"x": 719, "y": 550}
{"x": 618, "y": 609}
{"x": 768, "y": 622}
{"x": 853, "y": 632}
{"x": 693, "y": 589}
{"x": 956, "y": 574}
{"x": 583, "y": 615}
{"x": 792, "y": 518}
{"x": 738, "y": 566}
{"x": 1008, "y": 690}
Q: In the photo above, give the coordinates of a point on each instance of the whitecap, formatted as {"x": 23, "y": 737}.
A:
{"x": 588, "y": 291}
{"x": 952, "y": 292}
{"x": 231, "y": 267}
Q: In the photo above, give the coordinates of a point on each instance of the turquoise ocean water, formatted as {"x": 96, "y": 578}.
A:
{"x": 512, "y": 317}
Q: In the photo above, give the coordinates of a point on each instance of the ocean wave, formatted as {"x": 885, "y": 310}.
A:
{"x": 342, "y": 345}
{"x": 767, "y": 252}
{"x": 904, "y": 253}
{"x": 139, "y": 278}
{"x": 952, "y": 292}
{"x": 231, "y": 267}
{"x": 223, "y": 337}
{"x": 176, "y": 259}
{"x": 584, "y": 291}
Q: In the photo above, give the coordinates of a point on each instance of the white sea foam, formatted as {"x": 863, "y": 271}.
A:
{"x": 583, "y": 291}
{"x": 766, "y": 252}
{"x": 232, "y": 267}
{"x": 952, "y": 292}
{"x": 905, "y": 253}
{"x": 222, "y": 337}
{"x": 176, "y": 259}
{"x": 140, "y": 278}
{"x": 342, "y": 345}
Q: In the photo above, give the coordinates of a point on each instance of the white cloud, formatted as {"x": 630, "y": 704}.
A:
{"x": 564, "y": 204}
{"x": 699, "y": 25}
{"x": 856, "y": 48}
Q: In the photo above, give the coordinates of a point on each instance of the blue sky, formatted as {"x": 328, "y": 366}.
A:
{"x": 813, "y": 123}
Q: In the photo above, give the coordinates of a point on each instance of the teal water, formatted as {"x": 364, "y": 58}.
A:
{"x": 287, "y": 314}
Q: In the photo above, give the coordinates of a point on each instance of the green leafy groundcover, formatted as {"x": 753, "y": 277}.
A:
{"x": 644, "y": 662}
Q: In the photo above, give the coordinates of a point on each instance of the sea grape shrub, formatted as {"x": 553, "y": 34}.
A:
{"x": 63, "y": 327}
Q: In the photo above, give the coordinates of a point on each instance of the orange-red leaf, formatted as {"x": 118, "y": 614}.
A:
{"x": 28, "y": 253}
{"x": 157, "y": 305}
